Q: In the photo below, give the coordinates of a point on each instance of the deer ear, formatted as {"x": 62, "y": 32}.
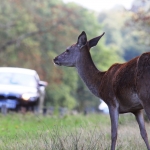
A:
{"x": 82, "y": 39}
{"x": 94, "y": 41}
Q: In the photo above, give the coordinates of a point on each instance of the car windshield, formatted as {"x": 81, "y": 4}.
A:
{"x": 17, "y": 79}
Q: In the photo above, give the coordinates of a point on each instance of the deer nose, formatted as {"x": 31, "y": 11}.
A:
{"x": 56, "y": 61}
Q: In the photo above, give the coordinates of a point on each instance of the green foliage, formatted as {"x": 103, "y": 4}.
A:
{"x": 125, "y": 31}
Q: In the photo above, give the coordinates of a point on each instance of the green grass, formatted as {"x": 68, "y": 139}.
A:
{"x": 79, "y": 132}
{"x": 13, "y": 124}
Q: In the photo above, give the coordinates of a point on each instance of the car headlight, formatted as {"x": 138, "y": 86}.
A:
{"x": 30, "y": 96}
{"x": 26, "y": 96}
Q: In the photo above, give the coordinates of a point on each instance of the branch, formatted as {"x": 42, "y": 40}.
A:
{"x": 18, "y": 40}
{"x": 8, "y": 25}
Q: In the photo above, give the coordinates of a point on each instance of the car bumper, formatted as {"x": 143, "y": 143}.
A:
{"x": 13, "y": 103}
{"x": 10, "y": 104}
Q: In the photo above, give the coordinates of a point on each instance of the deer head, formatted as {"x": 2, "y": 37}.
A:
{"x": 70, "y": 56}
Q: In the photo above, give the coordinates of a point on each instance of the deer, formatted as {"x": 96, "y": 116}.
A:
{"x": 124, "y": 87}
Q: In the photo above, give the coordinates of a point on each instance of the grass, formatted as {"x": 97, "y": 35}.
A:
{"x": 91, "y": 132}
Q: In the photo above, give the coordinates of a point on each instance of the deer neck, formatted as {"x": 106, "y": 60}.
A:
{"x": 89, "y": 73}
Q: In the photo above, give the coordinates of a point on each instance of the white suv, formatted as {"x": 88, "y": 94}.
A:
{"x": 20, "y": 87}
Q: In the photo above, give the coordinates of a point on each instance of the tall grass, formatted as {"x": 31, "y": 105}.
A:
{"x": 92, "y": 132}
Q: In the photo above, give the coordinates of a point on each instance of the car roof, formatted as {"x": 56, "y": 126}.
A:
{"x": 18, "y": 70}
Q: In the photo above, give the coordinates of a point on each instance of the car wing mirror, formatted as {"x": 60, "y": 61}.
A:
{"x": 43, "y": 83}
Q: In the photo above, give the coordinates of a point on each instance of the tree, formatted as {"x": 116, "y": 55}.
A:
{"x": 32, "y": 33}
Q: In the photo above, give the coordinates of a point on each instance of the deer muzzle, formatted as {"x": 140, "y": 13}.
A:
{"x": 56, "y": 62}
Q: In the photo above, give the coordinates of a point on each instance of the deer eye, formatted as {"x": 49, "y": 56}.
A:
{"x": 67, "y": 50}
